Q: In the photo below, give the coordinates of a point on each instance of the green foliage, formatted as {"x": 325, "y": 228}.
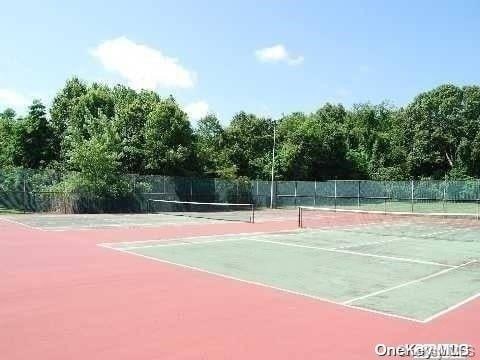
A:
{"x": 210, "y": 142}
{"x": 314, "y": 146}
{"x": 435, "y": 127}
{"x": 95, "y": 133}
{"x": 94, "y": 163}
{"x": 131, "y": 112}
{"x": 9, "y": 141}
{"x": 249, "y": 141}
{"x": 35, "y": 138}
{"x": 168, "y": 140}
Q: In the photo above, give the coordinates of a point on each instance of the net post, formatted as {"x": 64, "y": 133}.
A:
{"x": 300, "y": 225}
{"x": 253, "y": 213}
{"x": 315, "y": 193}
{"x": 478, "y": 209}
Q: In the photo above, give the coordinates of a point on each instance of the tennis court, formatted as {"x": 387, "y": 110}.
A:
{"x": 415, "y": 268}
{"x": 185, "y": 272}
{"x": 160, "y": 213}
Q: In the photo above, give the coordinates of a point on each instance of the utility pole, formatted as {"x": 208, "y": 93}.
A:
{"x": 273, "y": 166}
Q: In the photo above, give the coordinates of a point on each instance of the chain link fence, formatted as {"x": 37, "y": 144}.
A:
{"x": 416, "y": 196}
{"x": 24, "y": 190}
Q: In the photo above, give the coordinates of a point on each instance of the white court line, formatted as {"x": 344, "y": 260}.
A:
{"x": 271, "y": 287}
{"x": 416, "y": 261}
{"x": 116, "y": 226}
{"x": 355, "y": 228}
{"x": 438, "y": 233}
{"x": 381, "y": 242}
{"x": 123, "y": 226}
{"x": 202, "y": 237}
{"x": 180, "y": 243}
{"x": 453, "y": 307}
{"x": 21, "y": 224}
{"x": 438, "y": 273}
{"x": 147, "y": 225}
{"x": 335, "y": 250}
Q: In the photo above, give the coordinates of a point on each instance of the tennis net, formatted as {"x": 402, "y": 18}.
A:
{"x": 204, "y": 210}
{"x": 409, "y": 225}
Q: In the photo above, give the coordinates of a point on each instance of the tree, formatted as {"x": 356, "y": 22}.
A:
{"x": 169, "y": 140}
{"x": 62, "y": 108}
{"x": 95, "y": 164}
{"x": 435, "y": 127}
{"x": 73, "y": 107}
{"x": 372, "y": 141}
{"x": 131, "y": 112}
{"x": 9, "y": 141}
{"x": 249, "y": 141}
{"x": 210, "y": 146}
{"x": 36, "y": 137}
{"x": 314, "y": 146}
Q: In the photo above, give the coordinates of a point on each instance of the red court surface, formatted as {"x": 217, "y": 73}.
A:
{"x": 63, "y": 297}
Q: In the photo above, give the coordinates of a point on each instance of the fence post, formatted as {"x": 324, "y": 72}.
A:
{"x": 478, "y": 199}
{"x": 295, "y": 192}
{"x": 444, "y": 193}
{"x": 413, "y": 193}
{"x": 236, "y": 182}
{"x": 385, "y": 197}
{"x": 24, "y": 195}
{"x": 315, "y": 194}
{"x": 358, "y": 194}
{"x": 134, "y": 180}
{"x": 191, "y": 189}
{"x": 335, "y": 194}
{"x": 215, "y": 194}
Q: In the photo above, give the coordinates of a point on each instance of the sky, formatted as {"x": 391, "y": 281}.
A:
{"x": 267, "y": 57}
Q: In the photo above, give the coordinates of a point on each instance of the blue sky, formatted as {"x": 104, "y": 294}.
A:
{"x": 266, "y": 57}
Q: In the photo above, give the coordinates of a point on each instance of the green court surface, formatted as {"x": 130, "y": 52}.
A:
{"x": 87, "y": 221}
{"x": 418, "y": 206}
{"x": 82, "y": 221}
{"x": 416, "y": 273}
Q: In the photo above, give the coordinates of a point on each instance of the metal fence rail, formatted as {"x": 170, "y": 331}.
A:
{"x": 428, "y": 196}
{"x": 25, "y": 190}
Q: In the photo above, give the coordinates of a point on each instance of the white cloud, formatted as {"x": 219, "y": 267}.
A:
{"x": 142, "y": 66}
{"x": 277, "y": 53}
{"x": 197, "y": 110}
{"x": 13, "y": 99}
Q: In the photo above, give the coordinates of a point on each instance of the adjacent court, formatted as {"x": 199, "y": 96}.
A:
{"x": 413, "y": 270}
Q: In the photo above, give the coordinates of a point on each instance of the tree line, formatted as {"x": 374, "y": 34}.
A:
{"x": 94, "y": 132}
